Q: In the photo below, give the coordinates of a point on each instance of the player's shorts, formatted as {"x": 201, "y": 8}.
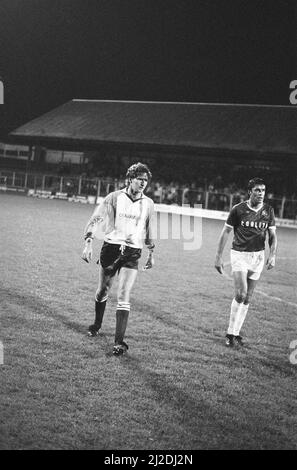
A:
{"x": 250, "y": 262}
{"x": 113, "y": 258}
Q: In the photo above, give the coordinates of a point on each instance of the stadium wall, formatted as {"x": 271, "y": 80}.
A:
{"x": 211, "y": 214}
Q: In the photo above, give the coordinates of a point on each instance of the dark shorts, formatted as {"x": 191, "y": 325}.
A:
{"x": 112, "y": 260}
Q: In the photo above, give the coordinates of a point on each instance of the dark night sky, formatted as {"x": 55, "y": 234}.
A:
{"x": 224, "y": 51}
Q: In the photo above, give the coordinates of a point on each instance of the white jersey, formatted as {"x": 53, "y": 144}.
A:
{"x": 126, "y": 221}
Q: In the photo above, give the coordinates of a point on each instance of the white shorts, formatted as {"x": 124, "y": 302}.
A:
{"x": 251, "y": 262}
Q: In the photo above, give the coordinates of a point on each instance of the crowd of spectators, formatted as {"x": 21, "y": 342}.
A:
{"x": 215, "y": 198}
{"x": 175, "y": 178}
{"x": 215, "y": 194}
{"x": 194, "y": 194}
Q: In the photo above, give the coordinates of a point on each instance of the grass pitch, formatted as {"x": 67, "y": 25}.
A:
{"x": 178, "y": 387}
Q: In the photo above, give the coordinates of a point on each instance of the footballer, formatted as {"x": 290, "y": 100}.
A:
{"x": 250, "y": 221}
{"x": 127, "y": 217}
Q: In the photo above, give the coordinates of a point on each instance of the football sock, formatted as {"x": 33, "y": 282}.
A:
{"x": 240, "y": 319}
{"x": 122, "y": 315}
{"x": 235, "y": 311}
{"x": 99, "y": 311}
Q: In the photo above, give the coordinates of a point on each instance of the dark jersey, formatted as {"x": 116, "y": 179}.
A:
{"x": 250, "y": 226}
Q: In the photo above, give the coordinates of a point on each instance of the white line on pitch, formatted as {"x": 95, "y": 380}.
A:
{"x": 278, "y": 299}
{"x": 257, "y": 291}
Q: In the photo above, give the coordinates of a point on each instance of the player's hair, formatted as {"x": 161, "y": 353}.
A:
{"x": 254, "y": 181}
{"x": 136, "y": 169}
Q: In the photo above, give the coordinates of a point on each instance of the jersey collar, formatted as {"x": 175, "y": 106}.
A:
{"x": 252, "y": 209}
{"x": 128, "y": 195}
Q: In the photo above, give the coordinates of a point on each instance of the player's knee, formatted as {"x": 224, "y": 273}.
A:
{"x": 101, "y": 294}
{"x": 241, "y": 295}
{"x": 247, "y": 299}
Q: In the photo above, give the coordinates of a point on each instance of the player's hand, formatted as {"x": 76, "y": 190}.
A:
{"x": 149, "y": 262}
{"x": 270, "y": 263}
{"x": 219, "y": 265}
{"x": 87, "y": 253}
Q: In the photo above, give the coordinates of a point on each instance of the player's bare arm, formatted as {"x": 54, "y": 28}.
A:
{"x": 221, "y": 245}
{"x": 270, "y": 263}
{"x": 149, "y": 241}
{"x": 89, "y": 236}
{"x": 92, "y": 225}
{"x": 150, "y": 259}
